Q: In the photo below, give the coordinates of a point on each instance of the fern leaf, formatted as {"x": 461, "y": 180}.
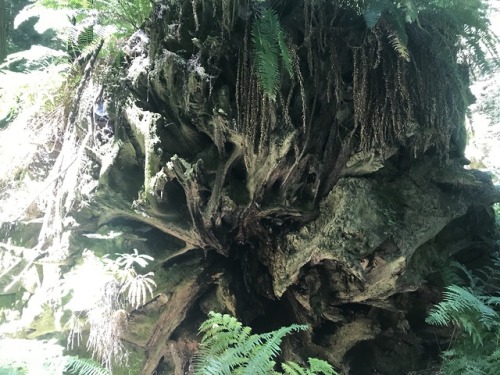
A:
{"x": 264, "y": 37}
{"x": 460, "y": 306}
{"x": 260, "y": 356}
{"x": 210, "y": 365}
{"x": 399, "y": 47}
{"x": 292, "y": 368}
{"x": 270, "y": 48}
{"x": 228, "y": 347}
{"x": 395, "y": 19}
{"x": 491, "y": 300}
{"x": 286, "y": 58}
{"x": 398, "y": 38}
{"x": 220, "y": 349}
{"x": 467, "y": 308}
{"x": 84, "y": 366}
{"x": 318, "y": 366}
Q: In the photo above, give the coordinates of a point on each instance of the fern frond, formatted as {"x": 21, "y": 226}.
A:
{"x": 468, "y": 22}
{"x": 217, "y": 323}
{"x": 260, "y": 356}
{"x": 270, "y": 48}
{"x": 292, "y": 368}
{"x": 399, "y": 46}
{"x": 398, "y": 36}
{"x": 228, "y": 347}
{"x": 265, "y": 32}
{"x": 84, "y": 39}
{"x": 217, "y": 365}
{"x": 318, "y": 366}
{"x": 84, "y": 366}
{"x": 476, "y": 313}
{"x": 220, "y": 345}
{"x": 460, "y": 306}
{"x": 395, "y": 14}
{"x": 491, "y": 300}
{"x": 128, "y": 260}
{"x": 137, "y": 288}
{"x": 286, "y": 58}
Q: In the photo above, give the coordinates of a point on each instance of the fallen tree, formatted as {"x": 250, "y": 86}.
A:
{"x": 292, "y": 162}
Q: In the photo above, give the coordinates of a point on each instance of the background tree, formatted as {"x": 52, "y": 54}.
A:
{"x": 4, "y": 22}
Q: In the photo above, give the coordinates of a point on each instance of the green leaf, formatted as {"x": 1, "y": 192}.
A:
{"x": 228, "y": 347}
{"x": 84, "y": 366}
{"x": 270, "y": 48}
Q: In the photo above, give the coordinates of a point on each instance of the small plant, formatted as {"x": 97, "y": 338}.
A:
{"x": 101, "y": 303}
{"x": 126, "y": 16}
{"x": 270, "y": 48}
{"x": 473, "y": 311}
{"x": 228, "y": 348}
{"x": 82, "y": 366}
{"x": 463, "y": 308}
{"x": 465, "y": 19}
{"x": 135, "y": 286}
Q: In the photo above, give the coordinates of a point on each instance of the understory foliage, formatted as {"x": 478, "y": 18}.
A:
{"x": 82, "y": 366}
{"x": 455, "y": 35}
{"x": 103, "y": 290}
{"x": 229, "y": 348}
{"x": 467, "y": 20}
{"x": 126, "y": 16}
{"x": 473, "y": 311}
{"x": 116, "y": 285}
{"x": 270, "y": 48}
{"x": 94, "y": 23}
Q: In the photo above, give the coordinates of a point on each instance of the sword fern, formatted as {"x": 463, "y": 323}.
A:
{"x": 270, "y": 48}
{"x": 229, "y": 348}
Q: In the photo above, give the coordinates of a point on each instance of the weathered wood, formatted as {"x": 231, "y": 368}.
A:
{"x": 181, "y": 300}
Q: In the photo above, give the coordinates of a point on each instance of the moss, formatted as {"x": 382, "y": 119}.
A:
{"x": 125, "y": 177}
{"x": 19, "y": 234}
{"x": 44, "y": 324}
{"x": 134, "y": 363}
{"x": 143, "y": 326}
{"x": 7, "y": 300}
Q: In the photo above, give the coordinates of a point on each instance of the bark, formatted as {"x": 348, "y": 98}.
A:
{"x": 323, "y": 212}
{"x": 4, "y": 25}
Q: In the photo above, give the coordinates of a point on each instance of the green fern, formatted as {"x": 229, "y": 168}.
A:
{"x": 82, "y": 366}
{"x": 84, "y": 40}
{"x": 227, "y": 348}
{"x": 263, "y": 348}
{"x": 126, "y": 16}
{"x": 462, "y": 360}
{"x": 396, "y": 14}
{"x": 462, "y": 307}
{"x": 270, "y": 48}
{"x": 464, "y": 20}
{"x": 472, "y": 311}
{"x": 316, "y": 366}
{"x": 468, "y": 22}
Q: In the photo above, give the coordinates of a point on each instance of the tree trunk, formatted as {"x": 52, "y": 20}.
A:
{"x": 325, "y": 200}
{"x": 4, "y": 25}
{"x": 329, "y": 198}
